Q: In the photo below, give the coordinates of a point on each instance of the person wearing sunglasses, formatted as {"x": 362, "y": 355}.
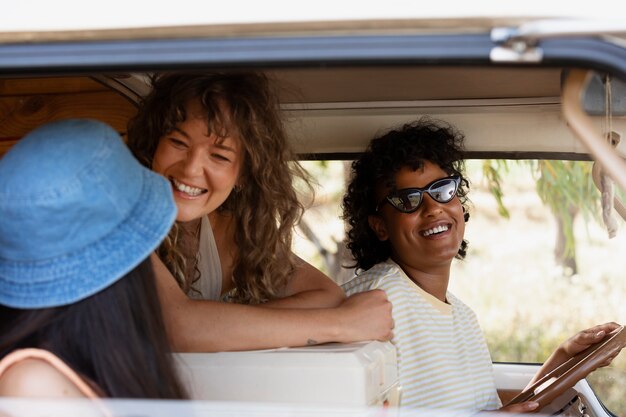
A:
{"x": 406, "y": 208}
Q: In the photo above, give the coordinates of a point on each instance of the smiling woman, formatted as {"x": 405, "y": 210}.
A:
{"x": 219, "y": 140}
{"x": 202, "y": 166}
{"x": 417, "y": 240}
{"x": 496, "y": 75}
{"x": 211, "y": 136}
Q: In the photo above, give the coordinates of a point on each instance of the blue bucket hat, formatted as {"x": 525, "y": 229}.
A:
{"x": 78, "y": 212}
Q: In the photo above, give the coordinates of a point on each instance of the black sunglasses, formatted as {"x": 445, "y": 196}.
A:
{"x": 408, "y": 200}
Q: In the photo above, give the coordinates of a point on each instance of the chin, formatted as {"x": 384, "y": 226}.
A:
{"x": 183, "y": 217}
{"x": 448, "y": 255}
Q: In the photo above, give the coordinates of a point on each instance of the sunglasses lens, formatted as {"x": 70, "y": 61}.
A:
{"x": 443, "y": 191}
{"x": 409, "y": 199}
{"x": 406, "y": 201}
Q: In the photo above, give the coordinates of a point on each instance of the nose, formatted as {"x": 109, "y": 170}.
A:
{"x": 430, "y": 207}
{"x": 193, "y": 164}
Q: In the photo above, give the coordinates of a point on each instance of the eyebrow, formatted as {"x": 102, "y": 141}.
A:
{"x": 182, "y": 132}
{"x": 225, "y": 147}
{"x": 219, "y": 141}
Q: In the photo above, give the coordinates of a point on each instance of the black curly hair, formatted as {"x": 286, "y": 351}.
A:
{"x": 423, "y": 140}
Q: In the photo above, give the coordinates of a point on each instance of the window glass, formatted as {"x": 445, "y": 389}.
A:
{"x": 529, "y": 295}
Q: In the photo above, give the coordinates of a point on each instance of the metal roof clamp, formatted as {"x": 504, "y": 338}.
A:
{"x": 520, "y": 44}
{"x": 514, "y": 47}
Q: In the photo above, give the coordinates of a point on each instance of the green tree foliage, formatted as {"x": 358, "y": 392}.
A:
{"x": 492, "y": 173}
{"x": 566, "y": 187}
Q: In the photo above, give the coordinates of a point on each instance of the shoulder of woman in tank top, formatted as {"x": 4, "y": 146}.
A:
{"x": 32, "y": 377}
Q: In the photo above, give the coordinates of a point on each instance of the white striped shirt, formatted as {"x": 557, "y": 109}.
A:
{"x": 443, "y": 359}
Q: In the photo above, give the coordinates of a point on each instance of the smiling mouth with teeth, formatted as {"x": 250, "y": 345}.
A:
{"x": 187, "y": 189}
{"x": 436, "y": 230}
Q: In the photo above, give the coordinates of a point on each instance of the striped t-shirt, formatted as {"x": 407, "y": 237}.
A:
{"x": 443, "y": 360}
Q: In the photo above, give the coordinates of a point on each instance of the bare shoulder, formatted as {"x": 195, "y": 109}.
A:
{"x": 36, "y": 378}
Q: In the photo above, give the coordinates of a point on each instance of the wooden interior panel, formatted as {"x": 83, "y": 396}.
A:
{"x": 49, "y": 85}
{"x": 26, "y": 103}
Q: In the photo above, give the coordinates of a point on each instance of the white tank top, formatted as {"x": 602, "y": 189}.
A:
{"x": 209, "y": 286}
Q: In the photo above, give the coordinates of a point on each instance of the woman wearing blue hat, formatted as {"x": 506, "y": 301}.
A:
{"x": 79, "y": 313}
{"x": 219, "y": 139}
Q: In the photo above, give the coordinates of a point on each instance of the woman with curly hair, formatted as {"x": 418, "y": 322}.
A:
{"x": 406, "y": 148}
{"x": 406, "y": 206}
{"x": 219, "y": 139}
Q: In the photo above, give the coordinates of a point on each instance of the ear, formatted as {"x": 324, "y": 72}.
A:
{"x": 377, "y": 224}
{"x": 466, "y": 215}
{"x": 239, "y": 183}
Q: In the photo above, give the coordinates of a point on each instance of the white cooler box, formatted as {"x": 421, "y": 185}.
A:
{"x": 356, "y": 374}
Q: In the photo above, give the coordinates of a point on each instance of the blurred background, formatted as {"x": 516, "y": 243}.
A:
{"x": 540, "y": 265}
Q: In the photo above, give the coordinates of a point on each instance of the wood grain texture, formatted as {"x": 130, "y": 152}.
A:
{"x": 28, "y": 103}
{"x": 48, "y": 85}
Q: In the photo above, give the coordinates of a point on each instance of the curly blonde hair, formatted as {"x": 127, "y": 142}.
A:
{"x": 266, "y": 207}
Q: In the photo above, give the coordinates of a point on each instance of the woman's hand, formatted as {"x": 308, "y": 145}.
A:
{"x": 520, "y": 408}
{"x": 576, "y": 344}
{"x": 582, "y": 340}
{"x": 365, "y": 316}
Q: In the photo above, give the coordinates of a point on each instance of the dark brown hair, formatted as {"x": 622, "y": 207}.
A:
{"x": 114, "y": 338}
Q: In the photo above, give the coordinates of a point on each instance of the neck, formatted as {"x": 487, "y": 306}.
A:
{"x": 432, "y": 280}
{"x": 190, "y": 227}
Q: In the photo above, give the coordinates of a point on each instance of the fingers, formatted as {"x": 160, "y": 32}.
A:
{"x": 596, "y": 333}
{"x": 587, "y": 337}
{"x": 610, "y": 326}
{"x": 525, "y": 407}
{"x": 608, "y": 360}
{"x": 371, "y": 297}
{"x": 369, "y": 315}
{"x": 386, "y": 307}
{"x": 593, "y": 334}
{"x": 605, "y": 327}
{"x": 380, "y": 294}
{"x": 610, "y": 357}
{"x": 387, "y": 337}
{"x": 590, "y": 336}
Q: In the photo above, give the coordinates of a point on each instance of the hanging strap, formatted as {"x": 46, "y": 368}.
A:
{"x": 602, "y": 181}
{"x": 617, "y": 203}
